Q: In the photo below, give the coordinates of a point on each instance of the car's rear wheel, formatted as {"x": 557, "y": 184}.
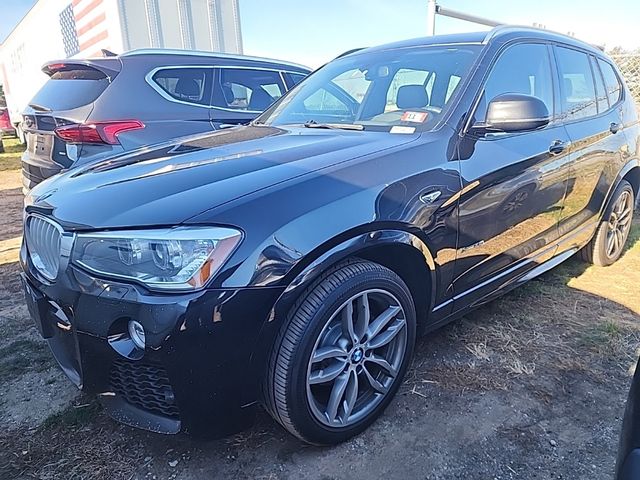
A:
{"x": 342, "y": 354}
{"x": 611, "y": 236}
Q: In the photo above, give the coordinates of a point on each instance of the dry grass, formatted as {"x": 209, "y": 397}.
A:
{"x": 10, "y": 159}
{"x": 77, "y": 444}
{"x": 575, "y": 319}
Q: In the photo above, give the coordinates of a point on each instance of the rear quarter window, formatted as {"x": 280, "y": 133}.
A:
{"x": 71, "y": 88}
{"x": 191, "y": 85}
{"x": 611, "y": 81}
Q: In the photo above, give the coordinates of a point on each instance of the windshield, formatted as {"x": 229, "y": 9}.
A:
{"x": 378, "y": 90}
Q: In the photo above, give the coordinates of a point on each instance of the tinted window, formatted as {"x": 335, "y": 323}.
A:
{"x": 296, "y": 77}
{"x": 611, "y": 81}
{"x": 578, "y": 98}
{"x": 524, "y": 69}
{"x": 247, "y": 89}
{"x": 601, "y": 95}
{"x": 71, "y": 87}
{"x": 185, "y": 84}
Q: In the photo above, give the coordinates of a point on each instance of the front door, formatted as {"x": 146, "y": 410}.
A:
{"x": 513, "y": 183}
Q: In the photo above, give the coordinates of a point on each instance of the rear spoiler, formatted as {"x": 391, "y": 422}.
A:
{"x": 110, "y": 66}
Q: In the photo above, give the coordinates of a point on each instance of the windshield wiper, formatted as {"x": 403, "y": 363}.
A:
{"x": 342, "y": 126}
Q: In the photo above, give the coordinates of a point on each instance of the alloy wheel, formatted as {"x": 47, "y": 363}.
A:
{"x": 356, "y": 358}
{"x": 619, "y": 224}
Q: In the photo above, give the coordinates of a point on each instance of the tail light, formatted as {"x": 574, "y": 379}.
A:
{"x": 97, "y": 132}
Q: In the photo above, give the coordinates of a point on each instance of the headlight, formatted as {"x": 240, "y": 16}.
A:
{"x": 179, "y": 258}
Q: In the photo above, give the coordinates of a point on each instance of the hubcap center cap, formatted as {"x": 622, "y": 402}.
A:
{"x": 357, "y": 355}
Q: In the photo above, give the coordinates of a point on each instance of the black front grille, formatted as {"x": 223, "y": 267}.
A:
{"x": 145, "y": 386}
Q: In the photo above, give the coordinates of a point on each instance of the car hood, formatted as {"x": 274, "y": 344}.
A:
{"x": 169, "y": 183}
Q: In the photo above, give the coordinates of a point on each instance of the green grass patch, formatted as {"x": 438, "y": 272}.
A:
{"x": 22, "y": 356}
{"x": 73, "y": 416}
{"x": 603, "y": 337}
{"x": 10, "y": 159}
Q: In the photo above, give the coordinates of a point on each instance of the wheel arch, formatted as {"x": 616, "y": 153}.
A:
{"x": 401, "y": 251}
{"x": 633, "y": 177}
{"x": 631, "y": 173}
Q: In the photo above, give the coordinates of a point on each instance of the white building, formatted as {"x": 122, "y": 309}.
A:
{"x": 58, "y": 29}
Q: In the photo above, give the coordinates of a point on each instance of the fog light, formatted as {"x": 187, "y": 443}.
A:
{"x": 136, "y": 332}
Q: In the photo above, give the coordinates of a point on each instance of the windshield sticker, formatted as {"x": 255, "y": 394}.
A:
{"x": 415, "y": 117}
{"x": 401, "y": 129}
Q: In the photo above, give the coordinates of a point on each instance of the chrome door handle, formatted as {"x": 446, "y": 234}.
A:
{"x": 558, "y": 147}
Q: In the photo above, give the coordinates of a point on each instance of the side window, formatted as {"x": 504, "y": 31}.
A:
{"x": 296, "y": 78}
{"x": 522, "y": 68}
{"x": 247, "y": 89}
{"x": 578, "y": 96}
{"x": 185, "y": 84}
{"x": 601, "y": 94}
{"x": 611, "y": 81}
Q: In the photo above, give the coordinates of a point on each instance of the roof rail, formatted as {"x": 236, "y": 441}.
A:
{"x": 500, "y": 29}
{"x": 202, "y": 53}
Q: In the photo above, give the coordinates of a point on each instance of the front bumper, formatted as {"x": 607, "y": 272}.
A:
{"x": 196, "y": 374}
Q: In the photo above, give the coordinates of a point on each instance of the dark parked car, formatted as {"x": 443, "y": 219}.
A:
{"x": 93, "y": 109}
{"x": 6, "y": 128}
{"x": 628, "y": 467}
{"x": 292, "y": 262}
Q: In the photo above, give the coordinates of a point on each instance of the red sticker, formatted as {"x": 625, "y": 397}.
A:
{"x": 415, "y": 117}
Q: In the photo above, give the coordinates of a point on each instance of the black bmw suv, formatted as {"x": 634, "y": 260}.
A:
{"x": 293, "y": 262}
{"x": 92, "y": 109}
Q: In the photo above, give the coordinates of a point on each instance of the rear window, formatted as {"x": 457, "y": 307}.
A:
{"x": 71, "y": 87}
{"x": 191, "y": 85}
{"x": 577, "y": 85}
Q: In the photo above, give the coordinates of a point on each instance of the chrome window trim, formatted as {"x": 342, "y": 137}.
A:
{"x": 149, "y": 79}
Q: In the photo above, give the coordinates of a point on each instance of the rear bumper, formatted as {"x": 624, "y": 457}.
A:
{"x": 196, "y": 374}
{"x": 35, "y": 171}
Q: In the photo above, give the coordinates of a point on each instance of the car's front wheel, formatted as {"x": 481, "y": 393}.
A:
{"x": 342, "y": 354}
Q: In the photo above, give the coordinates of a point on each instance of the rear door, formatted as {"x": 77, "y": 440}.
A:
{"x": 240, "y": 94}
{"x": 68, "y": 97}
{"x": 593, "y": 122}
{"x": 187, "y": 91}
{"x": 513, "y": 183}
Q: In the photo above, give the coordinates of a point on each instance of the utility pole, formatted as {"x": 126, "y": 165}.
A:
{"x": 431, "y": 17}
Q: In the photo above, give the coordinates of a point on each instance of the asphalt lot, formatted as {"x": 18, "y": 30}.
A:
{"x": 532, "y": 386}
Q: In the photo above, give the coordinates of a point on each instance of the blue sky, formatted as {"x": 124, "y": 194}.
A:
{"x": 314, "y": 31}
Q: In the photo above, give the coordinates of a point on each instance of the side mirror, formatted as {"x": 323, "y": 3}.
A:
{"x": 514, "y": 112}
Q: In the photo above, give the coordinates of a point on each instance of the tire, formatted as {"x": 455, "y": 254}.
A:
{"x": 618, "y": 217}
{"x": 294, "y": 391}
